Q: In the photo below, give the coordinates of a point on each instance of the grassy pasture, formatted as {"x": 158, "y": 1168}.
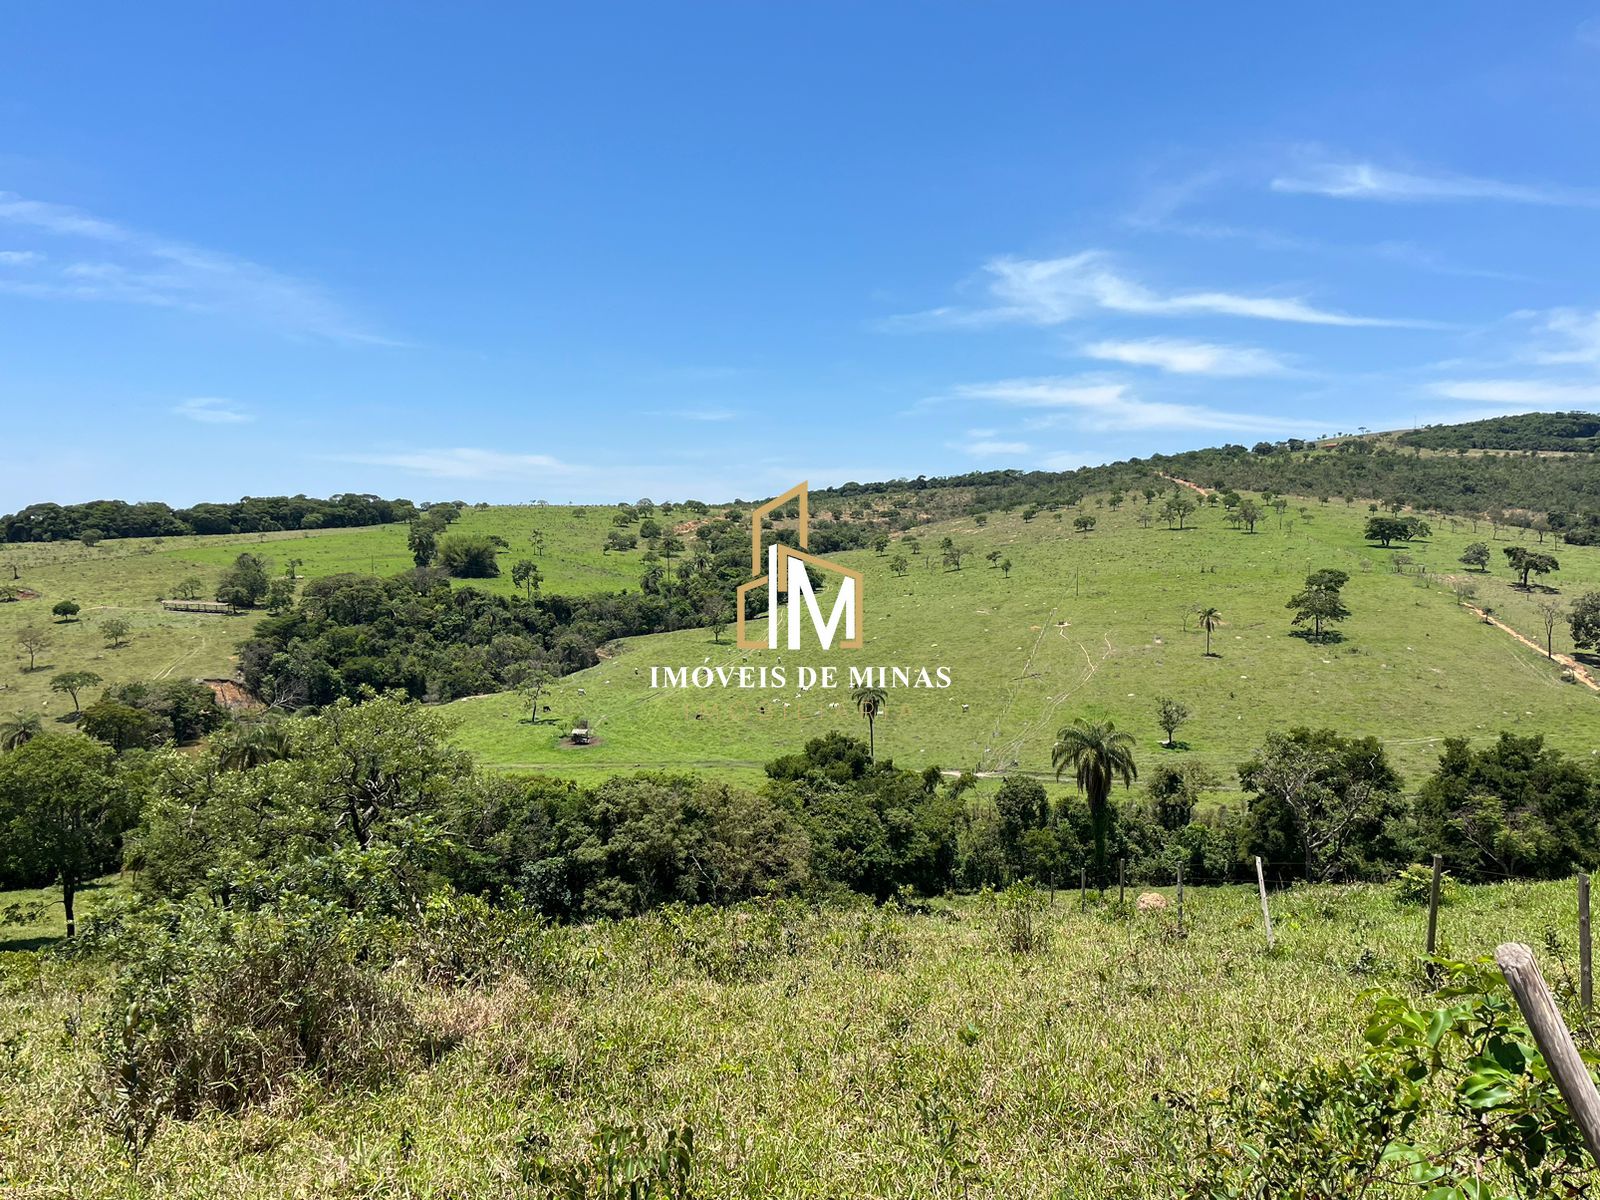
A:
{"x": 840, "y": 1053}
{"x": 1099, "y": 622}
{"x": 125, "y": 578}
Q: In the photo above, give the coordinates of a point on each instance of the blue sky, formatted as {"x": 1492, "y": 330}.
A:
{"x": 510, "y": 253}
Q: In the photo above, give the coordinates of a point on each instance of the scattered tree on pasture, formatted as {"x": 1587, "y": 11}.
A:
{"x": 66, "y": 610}
{"x": 33, "y": 642}
{"x": 1476, "y": 556}
{"x": 61, "y": 812}
{"x": 870, "y": 701}
{"x": 993, "y": 558}
{"x": 1210, "y": 619}
{"x": 188, "y": 588}
{"x": 880, "y": 543}
{"x": 1005, "y": 567}
{"x": 92, "y": 537}
{"x": 1550, "y": 612}
{"x": 1083, "y": 524}
{"x": 116, "y": 630}
{"x": 70, "y": 683}
{"x": 422, "y": 539}
{"x": 899, "y": 564}
{"x": 1170, "y": 715}
{"x": 1583, "y": 619}
{"x": 1319, "y": 603}
{"x": 1250, "y": 513}
{"x": 468, "y": 556}
{"x": 1098, "y": 754}
{"x": 245, "y": 583}
{"x": 526, "y": 575}
{"x": 1529, "y": 562}
{"x": 716, "y": 615}
{"x": 1177, "y": 509}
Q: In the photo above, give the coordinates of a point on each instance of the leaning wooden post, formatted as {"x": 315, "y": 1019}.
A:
{"x": 1585, "y": 951}
{"x": 1433, "y": 905}
{"x": 1266, "y": 913}
{"x": 1122, "y": 887}
{"x": 1083, "y": 889}
{"x": 1553, "y": 1038}
{"x": 1180, "y": 897}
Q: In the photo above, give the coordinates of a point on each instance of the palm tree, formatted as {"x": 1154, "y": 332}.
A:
{"x": 870, "y": 700}
{"x": 1099, "y": 755}
{"x": 251, "y": 745}
{"x": 1210, "y": 618}
{"x": 18, "y": 729}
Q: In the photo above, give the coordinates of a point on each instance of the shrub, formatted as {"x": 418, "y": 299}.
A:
{"x": 1412, "y": 885}
{"x": 1018, "y": 928}
{"x": 223, "y": 1010}
{"x": 468, "y": 556}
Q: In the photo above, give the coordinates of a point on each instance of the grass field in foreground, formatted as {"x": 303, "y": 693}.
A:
{"x": 126, "y": 577}
{"x": 851, "y": 1054}
{"x": 1096, "y": 623}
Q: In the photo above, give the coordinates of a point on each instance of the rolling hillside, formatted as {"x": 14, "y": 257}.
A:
{"x": 1101, "y": 622}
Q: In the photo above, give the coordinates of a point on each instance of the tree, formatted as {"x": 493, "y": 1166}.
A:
{"x": 1323, "y": 796}
{"x": 1476, "y": 556}
{"x": 121, "y": 726}
{"x": 870, "y": 701}
{"x": 1210, "y": 619}
{"x": 280, "y": 595}
{"x": 1319, "y": 603}
{"x": 468, "y": 556}
{"x": 1170, "y": 714}
{"x": 423, "y": 541}
{"x": 1583, "y": 618}
{"x": 250, "y": 744}
{"x": 1177, "y": 508}
{"x": 66, "y": 610}
{"x": 993, "y": 558}
{"x": 1083, "y": 524}
{"x": 899, "y": 564}
{"x": 953, "y": 555}
{"x": 70, "y": 683}
{"x": 525, "y": 574}
{"x": 92, "y": 537}
{"x": 188, "y": 588}
{"x": 716, "y": 615}
{"x": 1098, "y": 754}
{"x": 536, "y": 540}
{"x": 18, "y": 729}
{"x": 34, "y": 642}
{"x": 116, "y": 630}
{"x": 61, "y": 812}
{"x": 531, "y": 684}
{"x": 1250, "y": 513}
{"x": 1550, "y": 613}
{"x": 1005, "y": 567}
{"x": 245, "y": 583}
{"x": 1528, "y": 562}
{"x": 1174, "y": 790}
{"x": 880, "y": 543}
{"x": 1392, "y": 529}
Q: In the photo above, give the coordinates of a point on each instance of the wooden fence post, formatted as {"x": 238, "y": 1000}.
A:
{"x": 1585, "y": 950}
{"x": 1122, "y": 887}
{"x": 1433, "y": 904}
{"x": 1083, "y": 889}
{"x": 1180, "y": 897}
{"x": 1266, "y": 913}
{"x": 1555, "y": 1041}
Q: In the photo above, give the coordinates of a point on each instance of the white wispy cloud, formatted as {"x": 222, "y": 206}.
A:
{"x": 1054, "y": 291}
{"x": 1576, "y": 336}
{"x": 212, "y": 410}
{"x": 1359, "y": 180}
{"x": 105, "y": 261}
{"x": 465, "y": 462}
{"x": 990, "y": 448}
{"x": 1182, "y": 357}
{"x": 20, "y": 258}
{"x": 1108, "y": 406}
{"x": 1531, "y": 393}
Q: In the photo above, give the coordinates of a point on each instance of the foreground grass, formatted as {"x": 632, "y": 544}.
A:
{"x": 841, "y": 1053}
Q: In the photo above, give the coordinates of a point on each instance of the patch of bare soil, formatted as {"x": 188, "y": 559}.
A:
{"x": 567, "y": 743}
{"x": 1579, "y": 672}
{"x": 231, "y": 696}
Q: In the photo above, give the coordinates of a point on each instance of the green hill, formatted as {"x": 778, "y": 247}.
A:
{"x": 1100, "y": 622}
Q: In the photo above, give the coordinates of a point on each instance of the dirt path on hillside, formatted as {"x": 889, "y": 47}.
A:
{"x": 1579, "y": 671}
{"x": 1193, "y": 487}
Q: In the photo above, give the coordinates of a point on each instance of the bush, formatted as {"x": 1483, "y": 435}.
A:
{"x": 220, "y": 1010}
{"x": 1018, "y": 928}
{"x": 1412, "y": 885}
{"x": 468, "y": 556}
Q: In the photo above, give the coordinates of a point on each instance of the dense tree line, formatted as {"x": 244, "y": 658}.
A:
{"x": 253, "y": 514}
{"x": 1527, "y": 431}
{"x": 367, "y": 804}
